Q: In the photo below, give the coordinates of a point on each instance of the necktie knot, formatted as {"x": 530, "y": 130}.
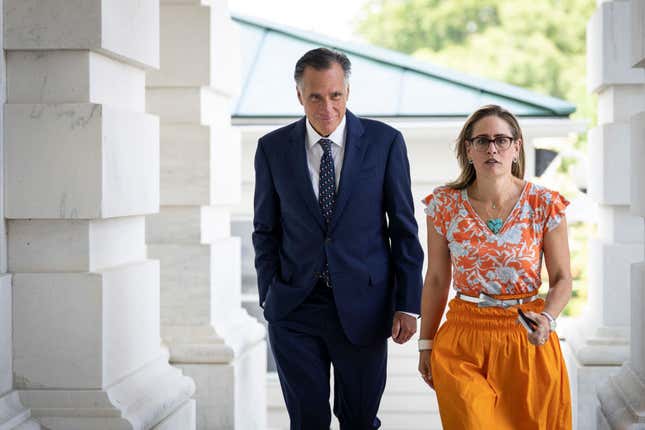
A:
{"x": 326, "y": 145}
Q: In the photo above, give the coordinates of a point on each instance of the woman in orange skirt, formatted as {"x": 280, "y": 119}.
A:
{"x": 488, "y": 232}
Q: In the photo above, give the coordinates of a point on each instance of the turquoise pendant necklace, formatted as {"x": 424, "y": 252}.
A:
{"x": 495, "y": 224}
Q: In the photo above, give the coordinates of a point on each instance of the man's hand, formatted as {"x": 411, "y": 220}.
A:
{"x": 403, "y": 327}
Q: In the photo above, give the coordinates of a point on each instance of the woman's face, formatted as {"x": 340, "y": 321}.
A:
{"x": 491, "y": 147}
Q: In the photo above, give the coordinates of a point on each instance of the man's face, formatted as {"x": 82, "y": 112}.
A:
{"x": 323, "y": 94}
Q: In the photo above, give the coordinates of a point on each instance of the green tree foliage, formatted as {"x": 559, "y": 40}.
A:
{"x": 407, "y": 26}
{"x": 536, "y": 44}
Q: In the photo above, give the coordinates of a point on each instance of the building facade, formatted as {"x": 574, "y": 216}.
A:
{"x": 120, "y": 277}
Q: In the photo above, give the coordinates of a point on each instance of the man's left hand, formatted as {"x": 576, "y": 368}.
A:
{"x": 403, "y": 327}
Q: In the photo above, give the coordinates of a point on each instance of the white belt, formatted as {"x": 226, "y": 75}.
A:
{"x": 486, "y": 301}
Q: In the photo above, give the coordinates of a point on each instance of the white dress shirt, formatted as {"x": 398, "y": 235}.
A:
{"x": 315, "y": 153}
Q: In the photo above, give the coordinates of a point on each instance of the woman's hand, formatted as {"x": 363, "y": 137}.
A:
{"x": 425, "y": 368}
{"x": 541, "y": 334}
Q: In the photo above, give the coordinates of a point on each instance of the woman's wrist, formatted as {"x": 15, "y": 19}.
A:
{"x": 551, "y": 319}
{"x": 425, "y": 344}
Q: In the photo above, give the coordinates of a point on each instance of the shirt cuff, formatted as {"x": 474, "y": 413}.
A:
{"x": 410, "y": 313}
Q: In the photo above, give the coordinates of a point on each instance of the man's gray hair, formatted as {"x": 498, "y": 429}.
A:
{"x": 322, "y": 59}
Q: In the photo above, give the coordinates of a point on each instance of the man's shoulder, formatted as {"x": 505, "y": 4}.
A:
{"x": 280, "y": 134}
{"x": 378, "y": 130}
{"x": 377, "y": 126}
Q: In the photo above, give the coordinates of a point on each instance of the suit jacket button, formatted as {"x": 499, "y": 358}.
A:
{"x": 328, "y": 240}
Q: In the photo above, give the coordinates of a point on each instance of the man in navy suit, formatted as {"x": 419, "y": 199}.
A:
{"x": 336, "y": 249}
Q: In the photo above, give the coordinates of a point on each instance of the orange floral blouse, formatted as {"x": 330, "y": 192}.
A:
{"x": 508, "y": 262}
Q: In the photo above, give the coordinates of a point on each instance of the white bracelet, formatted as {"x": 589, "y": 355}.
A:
{"x": 425, "y": 344}
{"x": 552, "y": 322}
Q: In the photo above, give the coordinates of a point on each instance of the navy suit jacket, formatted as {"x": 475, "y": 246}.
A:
{"x": 375, "y": 261}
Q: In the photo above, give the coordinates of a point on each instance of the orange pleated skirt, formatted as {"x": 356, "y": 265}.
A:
{"x": 488, "y": 376}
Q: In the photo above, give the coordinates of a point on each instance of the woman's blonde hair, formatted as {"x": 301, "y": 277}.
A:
{"x": 468, "y": 174}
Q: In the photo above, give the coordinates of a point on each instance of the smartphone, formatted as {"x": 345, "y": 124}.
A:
{"x": 529, "y": 323}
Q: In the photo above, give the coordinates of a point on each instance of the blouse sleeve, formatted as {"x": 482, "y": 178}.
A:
{"x": 435, "y": 210}
{"x": 555, "y": 207}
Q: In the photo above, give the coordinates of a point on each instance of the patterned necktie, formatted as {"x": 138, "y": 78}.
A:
{"x": 326, "y": 181}
{"x": 326, "y": 192}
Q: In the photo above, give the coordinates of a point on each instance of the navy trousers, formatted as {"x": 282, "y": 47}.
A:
{"x": 305, "y": 343}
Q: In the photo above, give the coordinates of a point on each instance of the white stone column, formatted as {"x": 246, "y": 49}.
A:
{"x": 13, "y": 413}
{"x": 82, "y": 171}
{"x": 210, "y": 336}
{"x": 599, "y": 340}
{"x": 622, "y": 396}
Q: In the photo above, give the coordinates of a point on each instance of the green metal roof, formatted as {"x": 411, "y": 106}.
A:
{"x": 384, "y": 83}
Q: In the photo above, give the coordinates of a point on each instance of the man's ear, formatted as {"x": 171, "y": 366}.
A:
{"x": 299, "y": 95}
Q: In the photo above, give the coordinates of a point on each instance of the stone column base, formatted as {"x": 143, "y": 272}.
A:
{"x": 584, "y": 379}
{"x": 184, "y": 416}
{"x": 156, "y": 396}
{"x": 592, "y": 354}
{"x": 231, "y": 395}
{"x": 229, "y": 372}
{"x": 622, "y": 404}
{"x": 13, "y": 415}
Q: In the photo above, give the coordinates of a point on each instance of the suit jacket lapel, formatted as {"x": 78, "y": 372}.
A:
{"x": 354, "y": 152}
{"x": 298, "y": 159}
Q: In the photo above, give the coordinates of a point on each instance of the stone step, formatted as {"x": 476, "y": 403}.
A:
{"x": 28, "y": 425}
{"x": 389, "y": 403}
{"x": 410, "y": 421}
{"x": 406, "y": 384}
{"x": 402, "y": 366}
{"x": 407, "y": 404}
{"x": 413, "y": 403}
{"x": 279, "y": 420}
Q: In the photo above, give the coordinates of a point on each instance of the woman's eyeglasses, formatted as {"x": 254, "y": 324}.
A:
{"x": 481, "y": 143}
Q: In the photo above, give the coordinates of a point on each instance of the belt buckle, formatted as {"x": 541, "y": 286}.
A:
{"x": 486, "y": 301}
